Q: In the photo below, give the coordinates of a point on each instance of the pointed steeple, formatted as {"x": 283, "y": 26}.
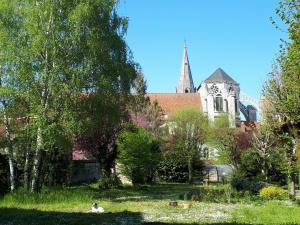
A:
{"x": 185, "y": 83}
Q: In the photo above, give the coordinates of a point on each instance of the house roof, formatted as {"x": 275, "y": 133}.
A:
{"x": 174, "y": 102}
{"x": 220, "y": 76}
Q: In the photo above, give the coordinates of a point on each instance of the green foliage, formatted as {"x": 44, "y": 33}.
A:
{"x": 221, "y": 121}
{"x": 66, "y": 68}
{"x": 139, "y": 154}
{"x": 57, "y": 167}
{"x": 173, "y": 167}
{"x": 189, "y": 129}
{"x": 240, "y": 182}
{"x": 275, "y": 165}
{"x": 249, "y": 165}
{"x": 273, "y": 193}
{"x": 283, "y": 86}
{"x": 108, "y": 182}
{"x": 231, "y": 142}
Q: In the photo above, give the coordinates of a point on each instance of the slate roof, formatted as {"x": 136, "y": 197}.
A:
{"x": 220, "y": 76}
{"x": 174, "y": 102}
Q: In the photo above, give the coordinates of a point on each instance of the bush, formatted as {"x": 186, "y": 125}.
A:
{"x": 241, "y": 183}
{"x": 109, "y": 182}
{"x": 190, "y": 195}
{"x": 139, "y": 154}
{"x": 172, "y": 168}
{"x": 273, "y": 193}
{"x": 256, "y": 186}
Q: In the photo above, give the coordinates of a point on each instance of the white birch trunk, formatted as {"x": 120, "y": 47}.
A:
{"x": 37, "y": 162}
{"x": 9, "y": 151}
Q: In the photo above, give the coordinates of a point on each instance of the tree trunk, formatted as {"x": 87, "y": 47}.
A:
{"x": 190, "y": 168}
{"x": 292, "y": 175}
{"x": 37, "y": 163}
{"x": 265, "y": 170}
{"x": 9, "y": 150}
{"x": 26, "y": 170}
{"x": 292, "y": 187}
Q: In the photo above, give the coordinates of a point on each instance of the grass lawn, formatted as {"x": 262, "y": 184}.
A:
{"x": 137, "y": 205}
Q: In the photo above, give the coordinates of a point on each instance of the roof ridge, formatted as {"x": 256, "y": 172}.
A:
{"x": 220, "y": 76}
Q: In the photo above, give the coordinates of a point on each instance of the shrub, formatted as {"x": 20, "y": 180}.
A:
{"x": 273, "y": 193}
{"x": 173, "y": 168}
{"x": 241, "y": 183}
{"x": 109, "y": 182}
{"x": 139, "y": 154}
{"x": 190, "y": 195}
{"x": 255, "y": 187}
{"x": 196, "y": 198}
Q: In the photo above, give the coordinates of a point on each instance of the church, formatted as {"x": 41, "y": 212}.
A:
{"x": 217, "y": 95}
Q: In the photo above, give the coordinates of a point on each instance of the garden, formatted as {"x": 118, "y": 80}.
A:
{"x": 146, "y": 204}
{"x": 69, "y": 83}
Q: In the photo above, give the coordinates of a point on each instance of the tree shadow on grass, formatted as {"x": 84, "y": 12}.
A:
{"x": 225, "y": 223}
{"x": 15, "y": 216}
{"x": 222, "y": 223}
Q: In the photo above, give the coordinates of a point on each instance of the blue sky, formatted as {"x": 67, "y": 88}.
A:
{"x": 236, "y": 35}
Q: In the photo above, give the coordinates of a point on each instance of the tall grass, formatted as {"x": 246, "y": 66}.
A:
{"x": 48, "y": 196}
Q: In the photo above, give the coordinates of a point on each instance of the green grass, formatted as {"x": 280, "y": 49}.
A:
{"x": 137, "y": 205}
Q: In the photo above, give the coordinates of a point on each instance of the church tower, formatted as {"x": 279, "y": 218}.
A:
{"x": 185, "y": 83}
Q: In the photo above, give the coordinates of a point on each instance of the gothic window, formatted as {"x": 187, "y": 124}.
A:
{"x": 226, "y": 105}
{"x": 214, "y": 89}
{"x": 187, "y": 90}
{"x": 230, "y": 90}
{"x": 218, "y": 103}
{"x": 235, "y": 105}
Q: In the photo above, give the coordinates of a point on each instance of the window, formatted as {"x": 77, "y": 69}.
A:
{"x": 219, "y": 103}
{"x": 226, "y": 105}
{"x": 236, "y": 105}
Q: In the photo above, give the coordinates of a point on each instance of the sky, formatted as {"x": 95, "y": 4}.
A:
{"x": 235, "y": 35}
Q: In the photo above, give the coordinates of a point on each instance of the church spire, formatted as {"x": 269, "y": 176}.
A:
{"x": 185, "y": 84}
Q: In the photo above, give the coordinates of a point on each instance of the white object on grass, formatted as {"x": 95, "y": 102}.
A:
{"x": 97, "y": 209}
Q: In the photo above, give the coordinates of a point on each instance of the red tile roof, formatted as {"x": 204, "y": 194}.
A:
{"x": 174, "y": 102}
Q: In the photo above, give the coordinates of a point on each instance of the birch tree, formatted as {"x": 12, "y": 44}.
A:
{"x": 10, "y": 27}
{"x": 264, "y": 142}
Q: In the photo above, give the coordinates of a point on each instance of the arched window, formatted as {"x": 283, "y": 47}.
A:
{"x": 187, "y": 90}
{"x": 226, "y": 105}
{"x": 236, "y": 105}
{"x": 219, "y": 103}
